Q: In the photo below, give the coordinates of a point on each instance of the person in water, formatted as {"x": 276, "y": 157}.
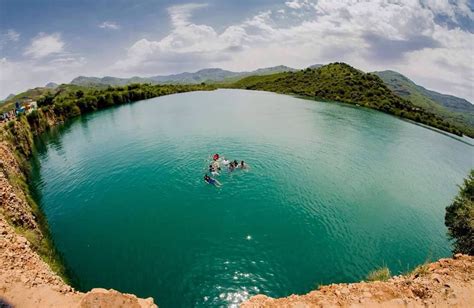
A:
{"x": 211, "y": 181}
{"x": 215, "y": 157}
{"x": 225, "y": 162}
{"x": 213, "y": 170}
{"x": 243, "y": 165}
{"x": 231, "y": 166}
{"x": 216, "y": 166}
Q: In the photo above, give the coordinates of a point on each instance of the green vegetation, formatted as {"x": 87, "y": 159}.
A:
{"x": 380, "y": 274}
{"x": 96, "y": 96}
{"x": 9, "y": 103}
{"x": 420, "y": 270}
{"x": 453, "y": 109}
{"x": 459, "y": 218}
{"x": 341, "y": 82}
{"x": 78, "y": 100}
{"x": 67, "y": 101}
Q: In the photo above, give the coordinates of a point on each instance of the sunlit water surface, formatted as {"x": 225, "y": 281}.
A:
{"x": 333, "y": 192}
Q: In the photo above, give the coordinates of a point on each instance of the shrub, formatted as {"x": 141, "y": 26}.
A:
{"x": 32, "y": 116}
{"x": 46, "y": 100}
{"x": 380, "y": 274}
{"x": 421, "y": 270}
{"x": 459, "y": 218}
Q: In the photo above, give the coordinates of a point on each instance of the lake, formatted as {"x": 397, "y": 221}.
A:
{"x": 333, "y": 191}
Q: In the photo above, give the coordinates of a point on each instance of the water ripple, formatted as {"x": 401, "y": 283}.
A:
{"x": 331, "y": 192}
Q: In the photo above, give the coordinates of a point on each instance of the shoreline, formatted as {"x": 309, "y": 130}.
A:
{"x": 448, "y": 282}
{"x": 352, "y": 105}
{"x": 32, "y": 264}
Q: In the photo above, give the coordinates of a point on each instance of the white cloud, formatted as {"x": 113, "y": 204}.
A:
{"x": 449, "y": 8}
{"x": 296, "y": 4}
{"x": 371, "y": 35}
{"x": 188, "y": 44}
{"x": 44, "y": 45}
{"x": 180, "y": 14}
{"x": 9, "y": 36}
{"x": 427, "y": 40}
{"x": 12, "y": 35}
{"x": 17, "y": 76}
{"x": 45, "y": 61}
{"x": 109, "y": 25}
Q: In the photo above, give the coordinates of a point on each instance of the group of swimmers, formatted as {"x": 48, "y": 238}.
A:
{"x": 215, "y": 167}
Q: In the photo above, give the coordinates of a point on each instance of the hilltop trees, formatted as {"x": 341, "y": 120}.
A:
{"x": 46, "y": 99}
{"x": 341, "y": 82}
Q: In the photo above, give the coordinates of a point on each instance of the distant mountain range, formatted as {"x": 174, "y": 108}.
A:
{"x": 208, "y": 75}
{"x": 448, "y": 106}
{"x": 451, "y": 108}
{"x": 7, "y": 98}
{"x": 51, "y": 85}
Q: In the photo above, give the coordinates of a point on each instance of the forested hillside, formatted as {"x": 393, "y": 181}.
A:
{"x": 341, "y": 82}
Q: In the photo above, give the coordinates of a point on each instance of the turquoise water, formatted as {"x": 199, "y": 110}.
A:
{"x": 333, "y": 191}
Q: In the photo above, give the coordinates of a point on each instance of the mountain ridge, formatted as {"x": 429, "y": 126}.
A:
{"x": 452, "y": 102}
{"x": 454, "y": 109}
{"x": 344, "y": 83}
{"x": 202, "y": 75}
{"x": 390, "y": 76}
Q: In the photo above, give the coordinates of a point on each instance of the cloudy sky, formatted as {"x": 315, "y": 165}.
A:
{"x": 430, "y": 41}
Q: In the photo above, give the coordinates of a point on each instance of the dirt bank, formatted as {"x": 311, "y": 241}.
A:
{"x": 445, "y": 283}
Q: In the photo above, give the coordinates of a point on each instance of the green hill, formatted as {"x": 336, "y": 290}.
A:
{"x": 453, "y": 109}
{"x": 39, "y": 93}
{"x": 33, "y": 94}
{"x": 341, "y": 82}
{"x": 7, "y": 98}
{"x": 107, "y": 81}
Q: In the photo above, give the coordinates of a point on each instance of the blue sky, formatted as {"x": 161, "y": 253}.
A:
{"x": 430, "y": 41}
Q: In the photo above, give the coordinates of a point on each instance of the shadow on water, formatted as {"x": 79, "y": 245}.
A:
{"x": 35, "y": 191}
{"x": 34, "y": 183}
{"x": 52, "y": 138}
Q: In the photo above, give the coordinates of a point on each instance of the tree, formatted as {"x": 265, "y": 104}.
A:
{"x": 46, "y": 100}
{"x": 79, "y": 94}
{"x": 459, "y": 218}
